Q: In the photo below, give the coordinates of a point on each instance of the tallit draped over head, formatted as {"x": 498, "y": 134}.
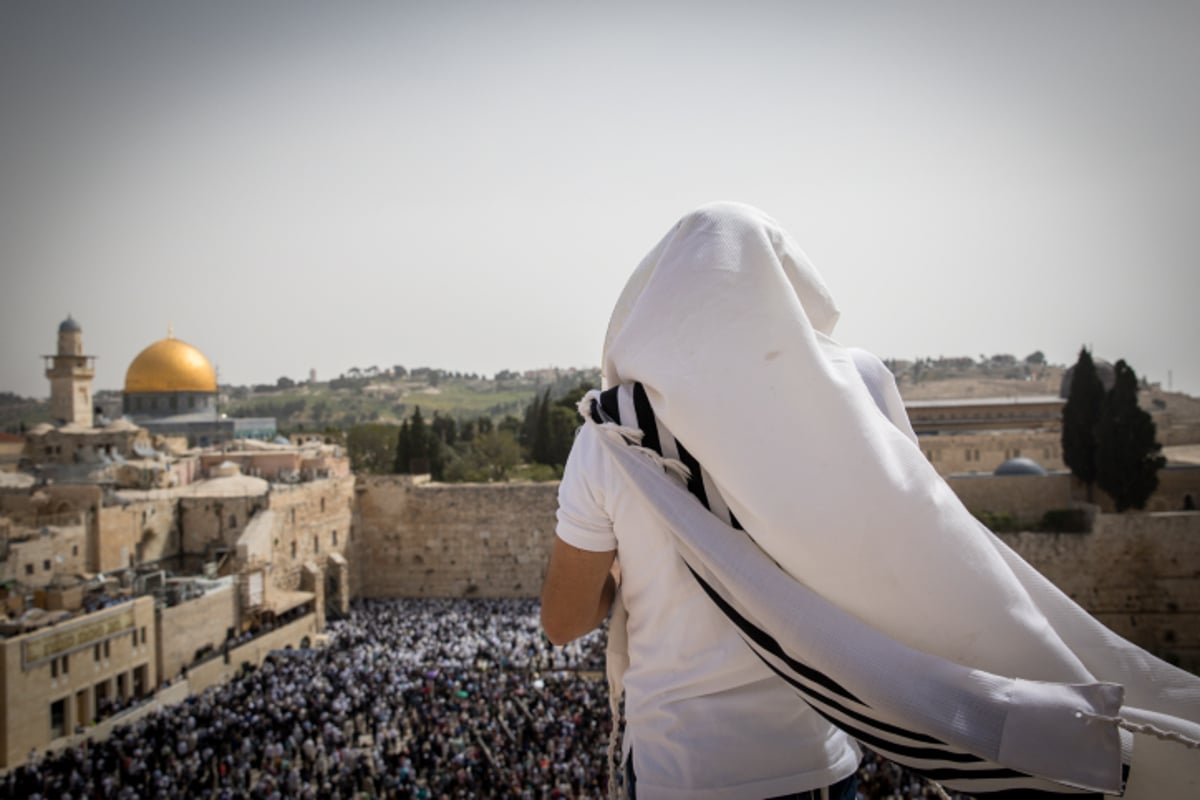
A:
{"x": 729, "y": 329}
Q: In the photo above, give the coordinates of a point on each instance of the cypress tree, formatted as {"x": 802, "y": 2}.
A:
{"x": 1127, "y": 455}
{"x": 403, "y": 449}
{"x": 542, "y": 439}
{"x": 418, "y": 440}
{"x": 1079, "y": 417}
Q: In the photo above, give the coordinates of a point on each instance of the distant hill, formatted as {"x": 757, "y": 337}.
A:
{"x": 16, "y": 411}
{"x": 390, "y": 395}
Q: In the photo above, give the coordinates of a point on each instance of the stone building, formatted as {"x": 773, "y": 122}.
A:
{"x": 977, "y": 435}
{"x": 126, "y": 561}
{"x": 55, "y": 679}
{"x": 70, "y": 373}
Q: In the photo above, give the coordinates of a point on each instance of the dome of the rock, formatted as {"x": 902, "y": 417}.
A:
{"x": 170, "y": 365}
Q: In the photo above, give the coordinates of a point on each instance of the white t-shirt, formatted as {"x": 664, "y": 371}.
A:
{"x": 705, "y": 718}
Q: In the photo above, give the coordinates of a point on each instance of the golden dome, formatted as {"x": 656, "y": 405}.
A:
{"x": 170, "y": 365}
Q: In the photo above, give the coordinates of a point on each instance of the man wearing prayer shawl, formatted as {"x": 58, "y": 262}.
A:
{"x": 795, "y": 577}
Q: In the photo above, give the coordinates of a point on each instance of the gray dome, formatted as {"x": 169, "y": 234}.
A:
{"x": 69, "y": 325}
{"x": 1020, "y": 466}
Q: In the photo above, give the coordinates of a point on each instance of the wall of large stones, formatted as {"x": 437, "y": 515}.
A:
{"x": 1028, "y": 497}
{"x": 139, "y": 531}
{"x": 211, "y": 523}
{"x": 1025, "y": 497}
{"x": 452, "y": 540}
{"x": 313, "y": 520}
{"x": 190, "y": 626}
{"x": 1139, "y": 574}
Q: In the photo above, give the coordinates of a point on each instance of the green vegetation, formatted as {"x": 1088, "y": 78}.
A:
{"x": 370, "y": 396}
{"x": 372, "y": 448}
{"x": 1059, "y": 520}
{"x": 19, "y": 414}
{"x": 1128, "y": 457}
{"x": 1107, "y": 439}
{"x": 1080, "y": 415}
{"x": 1066, "y": 520}
{"x": 479, "y": 449}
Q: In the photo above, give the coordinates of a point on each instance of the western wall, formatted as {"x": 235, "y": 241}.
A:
{"x": 1139, "y": 573}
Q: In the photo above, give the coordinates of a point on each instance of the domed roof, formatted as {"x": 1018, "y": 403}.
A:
{"x": 170, "y": 365}
{"x": 1020, "y": 466}
{"x": 69, "y": 325}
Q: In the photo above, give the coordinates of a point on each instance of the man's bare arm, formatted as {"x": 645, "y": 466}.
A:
{"x": 578, "y": 591}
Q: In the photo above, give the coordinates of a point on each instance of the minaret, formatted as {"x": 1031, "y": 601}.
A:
{"x": 70, "y": 373}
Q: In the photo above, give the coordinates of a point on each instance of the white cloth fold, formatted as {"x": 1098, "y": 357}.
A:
{"x": 728, "y": 328}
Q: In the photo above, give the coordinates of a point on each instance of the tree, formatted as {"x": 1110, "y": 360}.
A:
{"x": 403, "y": 449}
{"x": 445, "y": 429}
{"x": 490, "y": 457}
{"x": 418, "y": 439}
{"x": 1079, "y": 417}
{"x": 284, "y": 383}
{"x": 1128, "y": 457}
{"x": 1036, "y": 358}
{"x": 371, "y": 448}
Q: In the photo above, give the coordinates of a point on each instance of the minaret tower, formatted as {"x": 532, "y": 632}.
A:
{"x": 70, "y": 373}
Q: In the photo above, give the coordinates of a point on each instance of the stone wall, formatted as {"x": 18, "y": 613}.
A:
{"x": 312, "y": 521}
{"x": 983, "y": 452}
{"x": 219, "y": 669}
{"x": 34, "y": 556}
{"x": 138, "y": 531}
{"x": 55, "y": 678}
{"x": 190, "y": 626}
{"x": 452, "y": 540}
{"x": 1028, "y": 497}
{"x": 210, "y": 524}
{"x": 1025, "y": 497}
{"x": 1139, "y": 574}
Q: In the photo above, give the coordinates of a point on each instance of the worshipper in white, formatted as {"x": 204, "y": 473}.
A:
{"x": 831, "y": 547}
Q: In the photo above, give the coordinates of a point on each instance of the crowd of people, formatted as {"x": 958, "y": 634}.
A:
{"x": 409, "y": 699}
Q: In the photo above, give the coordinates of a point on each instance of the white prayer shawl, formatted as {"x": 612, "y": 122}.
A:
{"x": 860, "y": 577}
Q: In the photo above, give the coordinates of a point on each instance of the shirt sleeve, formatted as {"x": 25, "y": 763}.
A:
{"x": 583, "y": 518}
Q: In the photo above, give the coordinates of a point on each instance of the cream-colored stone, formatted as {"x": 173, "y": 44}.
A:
{"x": 108, "y": 653}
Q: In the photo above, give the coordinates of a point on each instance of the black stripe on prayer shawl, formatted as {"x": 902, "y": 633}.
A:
{"x": 915, "y": 750}
{"x": 970, "y": 770}
{"x": 608, "y": 404}
{"x": 645, "y": 419}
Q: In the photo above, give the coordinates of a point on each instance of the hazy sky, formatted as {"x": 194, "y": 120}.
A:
{"x": 468, "y": 185}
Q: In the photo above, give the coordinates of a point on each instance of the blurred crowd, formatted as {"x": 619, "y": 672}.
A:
{"x": 410, "y": 699}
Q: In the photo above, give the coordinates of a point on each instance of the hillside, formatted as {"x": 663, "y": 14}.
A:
{"x": 384, "y": 397}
